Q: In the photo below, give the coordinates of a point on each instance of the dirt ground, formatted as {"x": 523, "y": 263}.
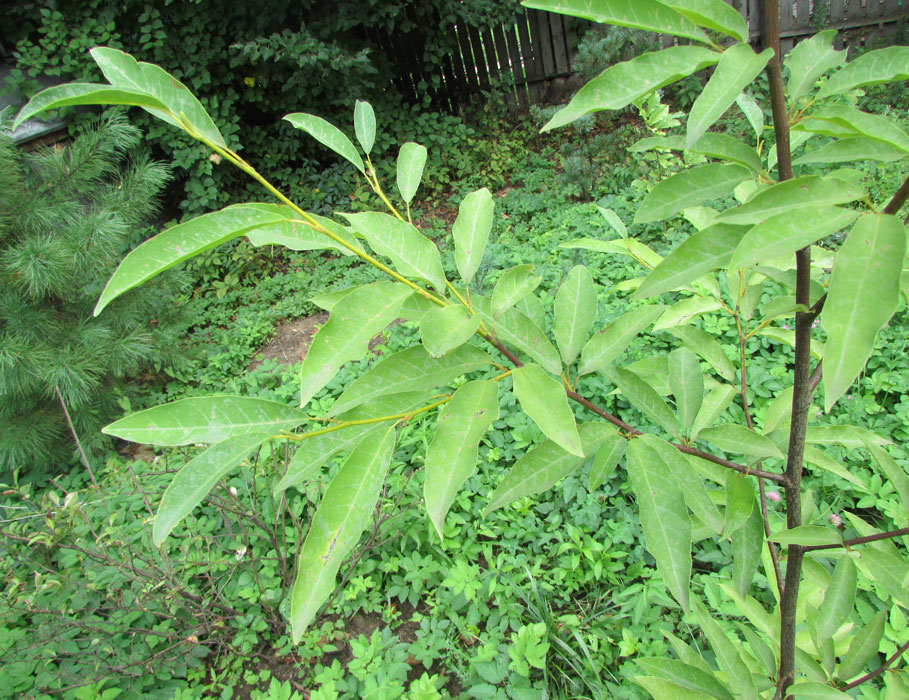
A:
{"x": 292, "y": 340}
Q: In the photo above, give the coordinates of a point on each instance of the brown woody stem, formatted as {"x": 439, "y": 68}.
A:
{"x": 859, "y": 540}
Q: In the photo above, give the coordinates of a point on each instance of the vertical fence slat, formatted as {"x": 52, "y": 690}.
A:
{"x": 533, "y": 68}
{"x": 479, "y": 59}
{"x": 542, "y": 38}
{"x": 561, "y": 63}
{"x": 470, "y": 71}
{"x": 506, "y": 70}
{"x": 517, "y": 66}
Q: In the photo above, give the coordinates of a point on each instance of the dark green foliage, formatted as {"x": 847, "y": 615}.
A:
{"x": 252, "y": 63}
{"x": 67, "y": 215}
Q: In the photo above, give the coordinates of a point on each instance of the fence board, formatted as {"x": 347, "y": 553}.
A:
{"x": 517, "y": 67}
{"x": 561, "y": 63}
{"x": 536, "y": 47}
{"x": 479, "y": 59}
{"x": 470, "y": 74}
{"x": 543, "y": 39}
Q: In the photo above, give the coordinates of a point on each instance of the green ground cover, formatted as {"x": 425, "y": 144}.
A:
{"x": 550, "y": 596}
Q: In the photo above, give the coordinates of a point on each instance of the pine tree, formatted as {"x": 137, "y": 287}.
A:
{"x": 67, "y": 215}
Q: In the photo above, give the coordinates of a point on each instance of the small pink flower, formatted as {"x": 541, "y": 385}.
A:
{"x": 836, "y": 520}
{"x": 233, "y": 491}
{"x": 773, "y": 496}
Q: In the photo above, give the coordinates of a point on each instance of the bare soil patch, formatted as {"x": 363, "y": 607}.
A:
{"x": 292, "y": 340}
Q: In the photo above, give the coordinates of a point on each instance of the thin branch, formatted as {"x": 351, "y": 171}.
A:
{"x": 859, "y": 540}
{"x": 815, "y": 377}
{"x": 693, "y": 451}
{"x": 72, "y": 430}
{"x": 878, "y": 671}
{"x": 898, "y": 199}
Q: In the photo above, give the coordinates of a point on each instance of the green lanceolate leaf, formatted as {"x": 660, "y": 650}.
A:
{"x": 697, "y": 498}
{"x": 835, "y": 120}
{"x": 644, "y": 398}
{"x": 708, "y": 249}
{"x": 863, "y": 295}
{"x": 807, "y": 535}
{"x": 725, "y": 147}
{"x": 838, "y": 599}
{"x": 608, "y": 344}
{"x": 783, "y": 234}
{"x": 365, "y": 125}
{"x": 625, "y": 246}
{"x": 738, "y": 66}
{"x": 808, "y": 61}
{"x": 575, "y": 312}
{"x": 621, "y": 84}
{"x": 447, "y": 327}
{"x": 895, "y": 474}
{"x": 731, "y": 437}
{"x": 355, "y": 319}
{"x": 752, "y": 112}
{"x": 124, "y": 71}
{"x": 715, "y": 404}
{"x": 208, "y": 419}
{"x": 544, "y": 465}
{"x": 848, "y": 436}
{"x": 818, "y": 458}
{"x": 613, "y": 220}
{"x": 514, "y": 284}
{"x": 687, "y": 384}
{"x": 514, "y": 328}
{"x": 320, "y": 446}
{"x": 76, "y": 94}
{"x": 648, "y": 15}
{"x": 888, "y": 570}
{"x": 297, "y": 234}
{"x": 686, "y": 676}
{"x": 314, "y": 452}
{"x": 344, "y": 512}
{"x": 712, "y": 14}
{"x": 665, "y": 689}
{"x": 328, "y": 135}
{"x": 846, "y": 150}
{"x": 740, "y": 503}
{"x": 863, "y": 647}
{"x": 703, "y": 344}
{"x": 183, "y": 241}
{"x": 727, "y": 654}
{"x": 408, "y": 370}
{"x": 411, "y": 161}
{"x": 685, "y": 310}
{"x": 664, "y": 516}
{"x": 787, "y": 337}
{"x": 815, "y": 690}
{"x": 605, "y": 460}
{"x": 747, "y": 543}
{"x": 471, "y": 231}
{"x": 789, "y": 196}
{"x": 543, "y": 399}
{"x": 199, "y": 476}
{"x": 872, "y": 68}
{"x": 690, "y": 187}
{"x": 452, "y": 454}
{"x": 412, "y": 253}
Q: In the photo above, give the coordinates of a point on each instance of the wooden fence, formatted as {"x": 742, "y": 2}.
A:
{"x": 527, "y": 55}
